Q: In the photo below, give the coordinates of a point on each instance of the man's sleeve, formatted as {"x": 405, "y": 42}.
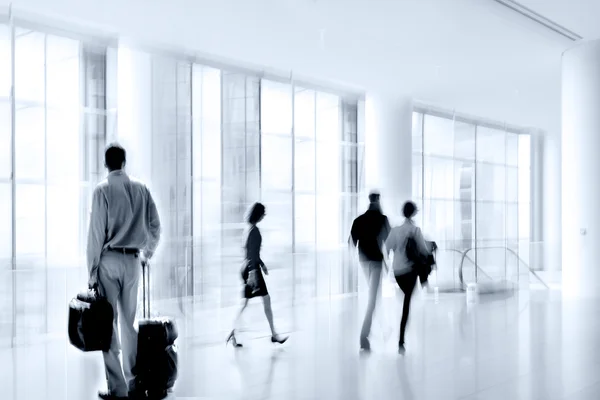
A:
{"x": 97, "y": 229}
{"x": 153, "y": 227}
{"x": 386, "y": 229}
{"x": 353, "y": 234}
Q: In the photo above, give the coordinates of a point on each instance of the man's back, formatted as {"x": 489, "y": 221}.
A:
{"x": 124, "y": 216}
{"x": 369, "y": 231}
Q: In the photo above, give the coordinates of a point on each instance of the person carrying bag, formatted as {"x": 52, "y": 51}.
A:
{"x": 412, "y": 260}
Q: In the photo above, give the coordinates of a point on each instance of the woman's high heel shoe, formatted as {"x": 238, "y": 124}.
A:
{"x": 277, "y": 339}
{"x": 231, "y": 338}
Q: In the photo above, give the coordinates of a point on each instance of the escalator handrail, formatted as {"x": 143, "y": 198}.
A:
{"x": 464, "y": 255}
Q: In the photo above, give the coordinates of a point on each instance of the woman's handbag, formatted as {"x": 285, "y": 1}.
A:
{"x": 250, "y": 277}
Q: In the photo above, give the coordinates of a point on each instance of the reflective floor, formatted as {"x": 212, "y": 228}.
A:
{"x": 523, "y": 345}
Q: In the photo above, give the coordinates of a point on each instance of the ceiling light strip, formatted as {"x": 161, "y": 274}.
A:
{"x": 540, "y": 19}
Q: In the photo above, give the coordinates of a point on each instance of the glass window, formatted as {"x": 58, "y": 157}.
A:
{"x": 30, "y": 136}
{"x": 328, "y": 167}
{"x": 277, "y": 226}
{"x": 512, "y": 184}
{"x": 512, "y": 149}
{"x": 490, "y": 221}
{"x": 304, "y": 113}
{"x": 63, "y": 146}
{"x": 304, "y": 169}
{"x": 438, "y": 133}
{"x": 328, "y": 221}
{"x": 491, "y": 145}
{"x": 6, "y": 225}
{"x": 464, "y": 221}
{"x": 5, "y": 111}
{"x": 512, "y": 222}
{"x": 63, "y": 225}
{"x": 29, "y": 67}
{"x": 524, "y": 221}
{"x": 211, "y": 95}
{"x": 439, "y": 178}
{"x": 417, "y": 132}
{"x": 524, "y": 168}
{"x": 276, "y": 163}
{"x": 5, "y": 140}
{"x": 464, "y": 141}
{"x": 328, "y": 117}
{"x": 417, "y": 176}
{"x": 305, "y": 222}
{"x": 62, "y": 72}
{"x": 5, "y": 65}
{"x": 464, "y": 175}
{"x": 349, "y": 153}
{"x": 477, "y": 175}
{"x": 276, "y": 110}
{"x": 491, "y": 182}
{"x": 206, "y": 112}
{"x": 30, "y": 214}
{"x": 438, "y": 220}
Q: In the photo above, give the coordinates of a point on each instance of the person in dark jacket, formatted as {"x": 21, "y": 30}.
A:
{"x": 369, "y": 232}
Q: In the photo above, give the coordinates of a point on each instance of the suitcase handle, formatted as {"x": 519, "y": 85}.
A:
{"x": 145, "y": 282}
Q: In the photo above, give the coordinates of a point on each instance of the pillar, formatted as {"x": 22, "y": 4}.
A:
{"x": 551, "y": 239}
{"x": 388, "y": 151}
{"x": 580, "y": 168}
{"x": 134, "y": 112}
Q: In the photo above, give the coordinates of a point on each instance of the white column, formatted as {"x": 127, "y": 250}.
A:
{"x": 552, "y": 245}
{"x": 135, "y": 111}
{"x": 580, "y": 169}
{"x": 388, "y": 151}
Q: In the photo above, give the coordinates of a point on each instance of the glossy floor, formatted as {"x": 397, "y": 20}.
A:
{"x": 523, "y": 345}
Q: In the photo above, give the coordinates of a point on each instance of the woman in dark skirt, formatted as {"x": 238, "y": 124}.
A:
{"x": 252, "y": 275}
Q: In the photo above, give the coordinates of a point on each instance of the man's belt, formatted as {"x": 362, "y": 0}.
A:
{"x": 124, "y": 250}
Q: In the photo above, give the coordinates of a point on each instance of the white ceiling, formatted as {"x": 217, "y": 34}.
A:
{"x": 579, "y": 16}
{"x": 472, "y": 55}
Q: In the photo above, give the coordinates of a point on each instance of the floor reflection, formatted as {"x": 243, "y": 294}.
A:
{"x": 529, "y": 345}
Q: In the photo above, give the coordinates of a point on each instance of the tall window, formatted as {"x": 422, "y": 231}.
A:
{"x": 7, "y": 290}
{"x": 473, "y": 185}
{"x": 58, "y": 117}
{"x": 311, "y": 199}
{"x": 206, "y": 173}
{"x": 240, "y": 179}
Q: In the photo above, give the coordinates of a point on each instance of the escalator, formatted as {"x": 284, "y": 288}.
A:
{"x": 494, "y": 269}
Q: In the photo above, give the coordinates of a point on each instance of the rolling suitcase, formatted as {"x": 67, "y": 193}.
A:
{"x": 90, "y": 321}
{"x": 156, "y": 362}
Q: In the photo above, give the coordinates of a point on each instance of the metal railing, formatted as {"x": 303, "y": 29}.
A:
{"x": 478, "y": 268}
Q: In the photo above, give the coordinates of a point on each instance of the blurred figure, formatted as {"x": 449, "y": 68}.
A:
{"x": 252, "y": 275}
{"x": 405, "y": 269}
{"x": 123, "y": 222}
{"x": 369, "y": 232}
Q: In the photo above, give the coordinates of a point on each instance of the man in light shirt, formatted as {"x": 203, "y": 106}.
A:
{"x": 124, "y": 231}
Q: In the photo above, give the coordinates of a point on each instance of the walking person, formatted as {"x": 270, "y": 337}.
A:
{"x": 368, "y": 234}
{"x": 405, "y": 269}
{"x": 124, "y": 231}
{"x": 252, "y": 275}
